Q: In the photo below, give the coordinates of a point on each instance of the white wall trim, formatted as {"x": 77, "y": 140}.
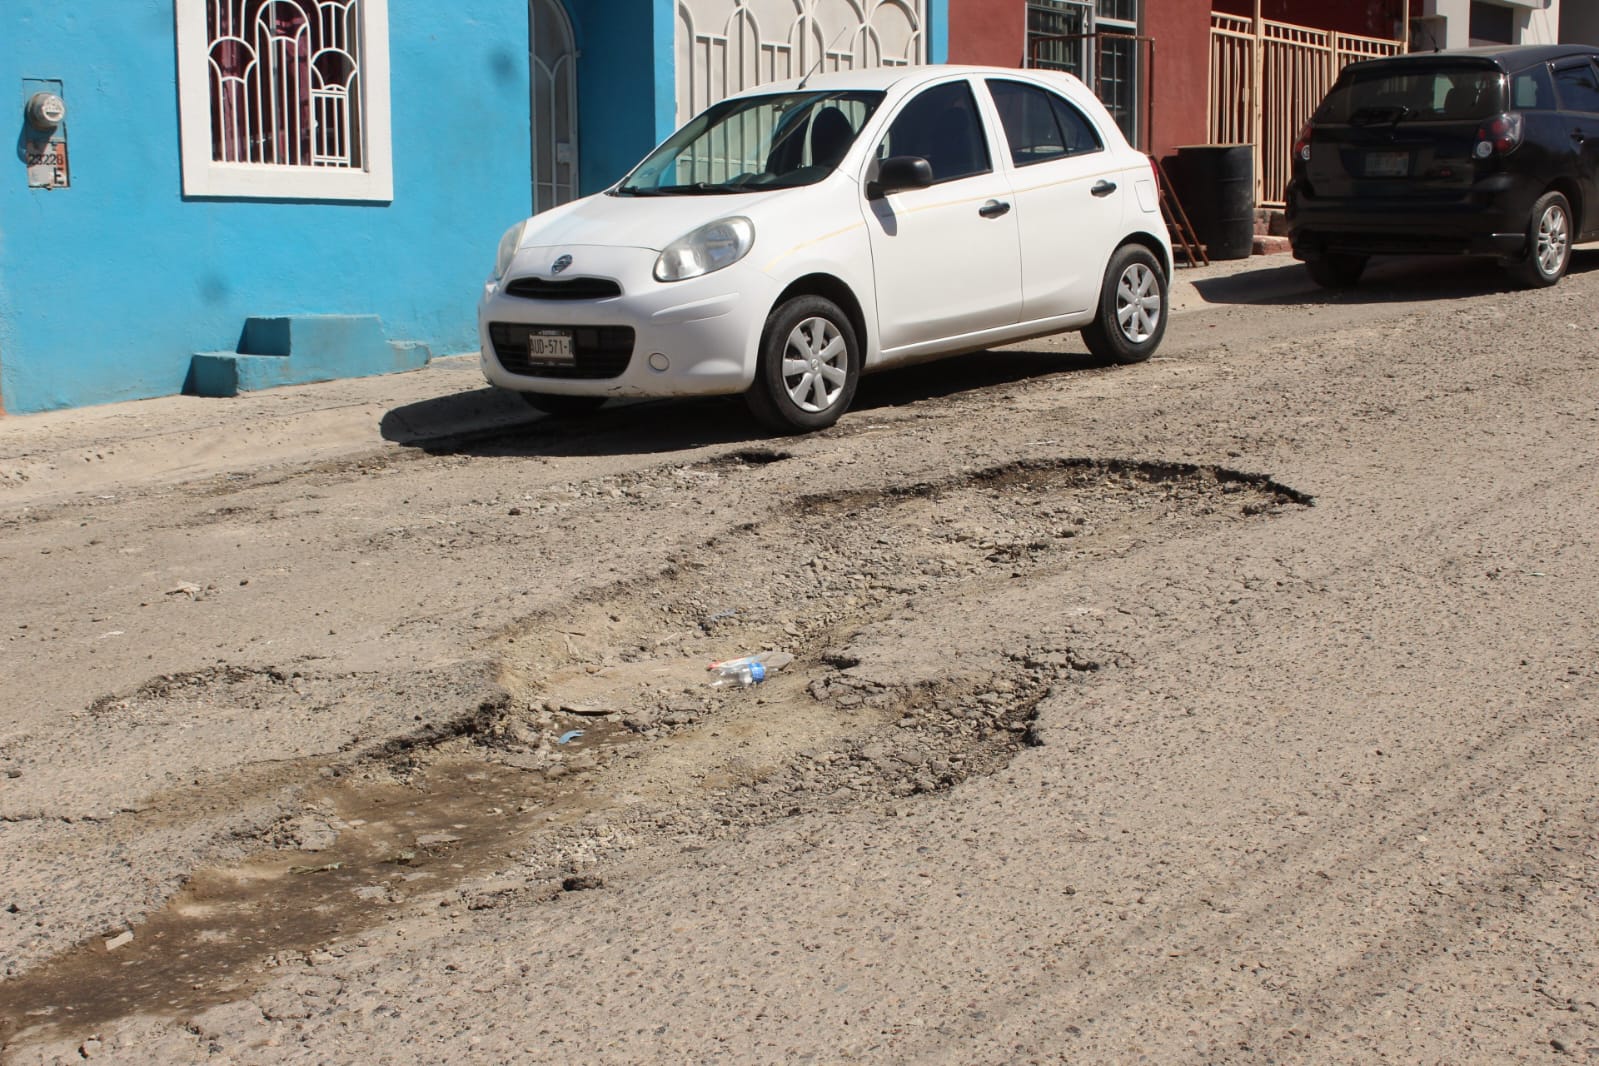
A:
{"x": 204, "y": 177}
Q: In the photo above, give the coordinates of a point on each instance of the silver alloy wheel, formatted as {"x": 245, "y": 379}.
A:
{"x": 1553, "y": 240}
{"x": 1138, "y": 303}
{"x": 815, "y": 364}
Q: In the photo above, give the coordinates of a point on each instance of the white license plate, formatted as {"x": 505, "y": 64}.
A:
{"x": 1387, "y": 164}
{"x": 550, "y": 346}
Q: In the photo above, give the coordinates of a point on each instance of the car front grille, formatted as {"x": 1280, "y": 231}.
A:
{"x": 599, "y": 351}
{"x": 565, "y": 289}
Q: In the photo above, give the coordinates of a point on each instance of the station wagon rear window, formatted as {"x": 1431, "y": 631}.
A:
{"x": 1389, "y": 94}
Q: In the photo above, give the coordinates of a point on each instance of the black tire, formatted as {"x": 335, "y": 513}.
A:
{"x": 1132, "y": 307}
{"x": 809, "y": 366}
{"x": 1337, "y": 270}
{"x": 569, "y": 406}
{"x": 1548, "y": 243}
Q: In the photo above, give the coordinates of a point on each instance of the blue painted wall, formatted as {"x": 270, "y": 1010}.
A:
{"x": 107, "y": 288}
{"x": 625, "y": 88}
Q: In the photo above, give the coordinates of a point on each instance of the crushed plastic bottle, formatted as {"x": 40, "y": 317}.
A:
{"x": 749, "y": 670}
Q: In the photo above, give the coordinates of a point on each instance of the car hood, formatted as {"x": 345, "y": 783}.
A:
{"x": 649, "y": 222}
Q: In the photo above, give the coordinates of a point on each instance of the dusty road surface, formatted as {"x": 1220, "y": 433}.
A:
{"x": 1237, "y": 707}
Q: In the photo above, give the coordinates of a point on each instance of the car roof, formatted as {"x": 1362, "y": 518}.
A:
{"x": 1504, "y": 56}
{"x": 882, "y": 78}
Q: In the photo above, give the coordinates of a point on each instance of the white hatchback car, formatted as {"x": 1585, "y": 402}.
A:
{"x": 793, "y": 237}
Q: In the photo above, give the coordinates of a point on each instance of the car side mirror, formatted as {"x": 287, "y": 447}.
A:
{"x": 899, "y": 172}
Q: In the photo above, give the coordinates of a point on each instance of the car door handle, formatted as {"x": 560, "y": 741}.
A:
{"x": 1103, "y": 188}
{"x": 993, "y": 209}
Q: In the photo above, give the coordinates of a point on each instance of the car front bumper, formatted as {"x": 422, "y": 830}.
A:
{"x": 687, "y": 338}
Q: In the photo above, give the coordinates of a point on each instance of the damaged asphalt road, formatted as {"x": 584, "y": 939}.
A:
{"x": 1233, "y": 707}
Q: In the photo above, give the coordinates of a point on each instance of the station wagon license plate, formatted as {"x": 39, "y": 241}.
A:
{"x": 1387, "y": 164}
{"x": 551, "y": 347}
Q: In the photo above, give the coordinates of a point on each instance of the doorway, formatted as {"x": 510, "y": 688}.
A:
{"x": 552, "y": 68}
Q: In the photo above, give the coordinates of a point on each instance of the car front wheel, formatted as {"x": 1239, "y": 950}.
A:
{"x": 1132, "y": 308}
{"x": 1548, "y": 242}
{"x": 810, "y": 363}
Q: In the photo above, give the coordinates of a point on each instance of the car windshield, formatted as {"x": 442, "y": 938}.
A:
{"x": 754, "y": 143}
{"x": 1386, "y": 95}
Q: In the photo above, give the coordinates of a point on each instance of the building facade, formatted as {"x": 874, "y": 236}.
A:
{"x": 1464, "y": 23}
{"x": 215, "y": 195}
{"x": 1579, "y": 23}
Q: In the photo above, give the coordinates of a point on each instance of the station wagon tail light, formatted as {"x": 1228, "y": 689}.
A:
{"x": 1302, "y": 143}
{"x": 711, "y": 247}
{"x": 1500, "y": 134}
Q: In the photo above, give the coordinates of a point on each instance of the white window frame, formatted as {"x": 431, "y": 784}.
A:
{"x": 204, "y": 176}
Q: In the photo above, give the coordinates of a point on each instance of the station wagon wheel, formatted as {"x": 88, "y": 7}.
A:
{"x": 553, "y": 404}
{"x": 1132, "y": 307}
{"x": 809, "y": 365}
{"x": 1548, "y": 242}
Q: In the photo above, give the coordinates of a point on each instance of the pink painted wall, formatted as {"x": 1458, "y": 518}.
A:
{"x": 1369, "y": 18}
{"x": 1180, "y": 80}
{"x": 989, "y": 32}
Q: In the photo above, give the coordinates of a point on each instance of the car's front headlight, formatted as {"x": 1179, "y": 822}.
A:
{"x": 508, "y": 246}
{"x": 711, "y": 247}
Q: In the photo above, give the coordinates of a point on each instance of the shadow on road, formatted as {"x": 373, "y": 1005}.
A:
{"x": 492, "y": 422}
{"x": 1388, "y": 279}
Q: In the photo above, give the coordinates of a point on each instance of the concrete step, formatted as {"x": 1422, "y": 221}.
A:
{"x": 299, "y": 349}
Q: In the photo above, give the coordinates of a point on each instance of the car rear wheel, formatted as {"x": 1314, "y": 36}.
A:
{"x": 1336, "y": 270}
{"x": 552, "y": 404}
{"x": 1548, "y": 243}
{"x": 810, "y": 364}
{"x": 1132, "y": 307}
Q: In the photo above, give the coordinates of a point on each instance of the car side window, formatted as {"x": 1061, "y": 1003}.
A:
{"x": 941, "y": 126}
{"x": 1040, "y": 126}
{"x": 1531, "y": 90}
{"x": 1579, "y": 87}
{"x": 1081, "y": 136}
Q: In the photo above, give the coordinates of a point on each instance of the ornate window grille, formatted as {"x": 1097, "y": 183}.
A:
{"x": 285, "y": 98}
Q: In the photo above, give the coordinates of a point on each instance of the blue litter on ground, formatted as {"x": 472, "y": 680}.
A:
{"x": 567, "y": 738}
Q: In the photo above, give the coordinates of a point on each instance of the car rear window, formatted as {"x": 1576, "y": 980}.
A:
{"x": 1385, "y": 94}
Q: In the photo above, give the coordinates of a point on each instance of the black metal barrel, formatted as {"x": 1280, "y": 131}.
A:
{"x": 1216, "y": 183}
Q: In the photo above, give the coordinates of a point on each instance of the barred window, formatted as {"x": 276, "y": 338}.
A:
{"x": 284, "y": 98}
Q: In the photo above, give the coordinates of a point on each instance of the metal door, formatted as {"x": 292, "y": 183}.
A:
{"x": 552, "y": 66}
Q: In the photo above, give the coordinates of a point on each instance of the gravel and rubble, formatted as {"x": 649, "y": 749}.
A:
{"x": 1236, "y": 707}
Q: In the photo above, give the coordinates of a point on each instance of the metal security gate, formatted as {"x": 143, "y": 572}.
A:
{"x": 552, "y": 66}
{"x": 727, "y": 46}
{"x": 1266, "y": 78}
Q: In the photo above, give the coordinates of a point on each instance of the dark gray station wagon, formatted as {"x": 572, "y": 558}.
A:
{"x": 1482, "y": 151}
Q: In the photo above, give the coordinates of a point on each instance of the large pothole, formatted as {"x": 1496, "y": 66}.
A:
{"x": 607, "y": 735}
